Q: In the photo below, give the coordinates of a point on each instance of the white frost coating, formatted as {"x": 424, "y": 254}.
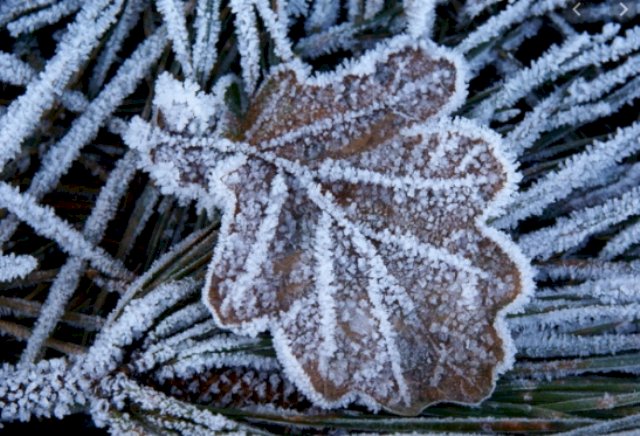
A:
{"x": 379, "y": 282}
{"x": 277, "y": 30}
{"x": 334, "y": 172}
{"x": 377, "y": 286}
{"x": 520, "y": 84}
{"x": 421, "y": 16}
{"x": 135, "y": 319}
{"x": 45, "y": 222}
{"x": 340, "y": 36}
{"x": 177, "y": 321}
{"x": 577, "y": 171}
{"x": 13, "y": 267}
{"x": 69, "y": 276}
{"x": 186, "y": 358}
{"x": 365, "y": 65}
{"x": 558, "y": 317}
{"x": 620, "y": 179}
{"x": 510, "y": 42}
{"x": 276, "y": 23}
{"x": 325, "y": 286}
{"x": 354, "y": 10}
{"x": 296, "y": 373}
{"x": 248, "y": 41}
{"x": 158, "y": 265}
{"x": 588, "y": 270}
{"x": 621, "y": 426}
{"x": 183, "y": 102}
{"x": 582, "y": 91}
{"x": 515, "y": 253}
{"x": 569, "y": 232}
{"x": 81, "y": 38}
{"x": 169, "y": 348}
{"x": 324, "y": 14}
{"x": 14, "y": 71}
{"x": 372, "y": 7}
{"x": 109, "y": 197}
{"x": 108, "y": 56}
{"x": 622, "y": 241}
{"x": 475, "y": 7}
{"x": 346, "y": 255}
{"x": 43, "y": 17}
{"x": 607, "y": 47}
{"x": 579, "y": 100}
{"x": 207, "y": 27}
{"x": 172, "y": 414}
{"x": 200, "y": 361}
{"x": 260, "y": 249}
{"x": 10, "y": 9}
{"x": 543, "y": 6}
{"x": 577, "y": 115}
{"x": 60, "y": 292}
{"x": 61, "y": 155}
{"x": 174, "y": 18}
{"x": 563, "y": 345}
{"x": 43, "y": 390}
{"x": 549, "y": 113}
{"x": 621, "y": 289}
{"x": 296, "y": 8}
{"x": 571, "y": 319}
{"x": 495, "y": 25}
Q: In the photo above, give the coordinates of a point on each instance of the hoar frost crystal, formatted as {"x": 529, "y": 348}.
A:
{"x": 353, "y": 224}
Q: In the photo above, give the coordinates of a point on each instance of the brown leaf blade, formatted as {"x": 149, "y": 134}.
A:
{"x": 354, "y": 229}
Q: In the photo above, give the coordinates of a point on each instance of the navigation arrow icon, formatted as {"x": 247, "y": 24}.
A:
{"x": 575, "y": 8}
{"x": 625, "y": 9}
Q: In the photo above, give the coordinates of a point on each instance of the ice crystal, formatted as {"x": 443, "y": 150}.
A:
{"x": 354, "y": 224}
{"x": 12, "y": 266}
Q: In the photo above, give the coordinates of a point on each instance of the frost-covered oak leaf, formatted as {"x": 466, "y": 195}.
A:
{"x": 354, "y": 225}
